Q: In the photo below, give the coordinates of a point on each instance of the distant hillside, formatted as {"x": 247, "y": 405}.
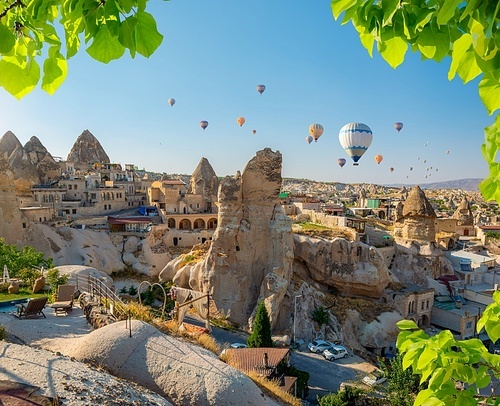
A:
{"x": 470, "y": 184}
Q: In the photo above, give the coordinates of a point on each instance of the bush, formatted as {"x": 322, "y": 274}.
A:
{"x": 29, "y": 275}
{"x": 320, "y": 316}
{"x": 123, "y": 290}
{"x": 347, "y": 397}
{"x": 54, "y": 280}
{"x": 4, "y": 287}
{"x": 132, "y": 291}
{"x": 302, "y": 380}
{"x": 3, "y": 333}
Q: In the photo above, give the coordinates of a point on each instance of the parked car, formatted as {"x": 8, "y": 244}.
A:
{"x": 374, "y": 378}
{"x": 335, "y": 352}
{"x": 238, "y": 345}
{"x": 318, "y": 346}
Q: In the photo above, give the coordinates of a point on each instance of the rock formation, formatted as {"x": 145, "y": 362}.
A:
{"x": 46, "y": 167}
{"x": 417, "y": 222}
{"x": 251, "y": 254}
{"x": 14, "y": 158}
{"x": 87, "y": 149}
{"x": 184, "y": 373}
{"x": 204, "y": 181}
{"x": 354, "y": 269}
{"x": 463, "y": 214}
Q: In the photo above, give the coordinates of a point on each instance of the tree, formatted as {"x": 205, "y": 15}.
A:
{"x": 402, "y": 384}
{"x": 468, "y": 32}
{"x": 261, "y": 332}
{"x": 455, "y": 369}
{"x": 17, "y": 259}
{"x": 29, "y": 33}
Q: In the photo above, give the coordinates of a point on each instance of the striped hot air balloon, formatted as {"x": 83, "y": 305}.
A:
{"x": 355, "y": 138}
{"x": 316, "y": 130}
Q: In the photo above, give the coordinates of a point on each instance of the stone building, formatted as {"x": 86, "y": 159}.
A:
{"x": 413, "y": 302}
{"x": 465, "y": 219}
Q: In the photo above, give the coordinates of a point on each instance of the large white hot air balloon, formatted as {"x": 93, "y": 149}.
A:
{"x": 355, "y": 138}
{"x": 316, "y": 130}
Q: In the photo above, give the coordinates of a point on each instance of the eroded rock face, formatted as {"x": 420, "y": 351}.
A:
{"x": 417, "y": 221}
{"x": 354, "y": 269}
{"x": 87, "y": 149}
{"x": 46, "y": 167}
{"x": 463, "y": 214}
{"x": 14, "y": 158}
{"x": 251, "y": 255}
{"x": 204, "y": 181}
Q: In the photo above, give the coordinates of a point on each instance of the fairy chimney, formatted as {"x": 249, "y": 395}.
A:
{"x": 463, "y": 214}
{"x": 417, "y": 221}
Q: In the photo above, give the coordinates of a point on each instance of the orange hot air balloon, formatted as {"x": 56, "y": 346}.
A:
{"x": 378, "y": 158}
{"x": 203, "y": 124}
{"x": 316, "y": 130}
{"x": 240, "y": 120}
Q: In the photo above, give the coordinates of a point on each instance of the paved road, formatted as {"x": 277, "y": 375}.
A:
{"x": 325, "y": 376}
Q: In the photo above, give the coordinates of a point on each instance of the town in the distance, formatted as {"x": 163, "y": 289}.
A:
{"x": 336, "y": 265}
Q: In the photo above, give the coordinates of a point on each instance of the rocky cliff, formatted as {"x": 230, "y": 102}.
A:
{"x": 87, "y": 149}
{"x": 251, "y": 255}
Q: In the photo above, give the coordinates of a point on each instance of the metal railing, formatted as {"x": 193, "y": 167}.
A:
{"x": 101, "y": 293}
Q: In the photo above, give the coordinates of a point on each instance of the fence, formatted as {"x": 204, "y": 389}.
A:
{"x": 100, "y": 292}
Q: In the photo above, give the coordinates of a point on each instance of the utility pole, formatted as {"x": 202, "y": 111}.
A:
{"x": 295, "y": 315}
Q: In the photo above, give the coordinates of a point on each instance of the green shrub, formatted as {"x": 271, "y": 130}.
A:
{"x": 4, "y": 287}
{"x": 132, "y": 291}
{"x": 29, "y": 275}
{"x": 347, "y": 397}
{"x": 320, "y": 315}
{"x": 123, "y": 290}
{"x": 3, "y": 333}
{"x": 54, "y": 280}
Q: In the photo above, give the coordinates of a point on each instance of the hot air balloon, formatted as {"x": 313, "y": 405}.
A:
{"x": 391, "y": 169}
{"x": 418, "y": 158}
{"x": 411, "y": 168}
{"x": 240, "y": 120}
{"x": 309, "y": 139}
{"x": 261, "y": 88}
{"x": 316, "y": 130}
{"x": 171, "y": 102}
{"x": 427, "y": 143}
{"x": 425, "y": 161}
{"x": 341, "y": 162}
{"x": 398, "y": 126}
{"x": 378, "y": 158}
{"x": 447, "y": 151}
{"x": 203, "y": 124}
{"x": 254, "y": 131}
{"x": 355, "y": 138}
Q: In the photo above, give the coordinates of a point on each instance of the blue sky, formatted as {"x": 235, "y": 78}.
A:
{"x": 213, "y": 56}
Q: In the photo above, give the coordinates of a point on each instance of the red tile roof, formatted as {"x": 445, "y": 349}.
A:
{"x": 252, "y": 359}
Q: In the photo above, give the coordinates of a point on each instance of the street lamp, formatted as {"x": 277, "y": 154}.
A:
{"x": 294, "y": 315}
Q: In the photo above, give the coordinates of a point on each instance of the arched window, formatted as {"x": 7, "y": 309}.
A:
{"x": 185, "y": 224}
{"x": 199, "y": 223}
{"x": 171, "y": 223}
{"x": 212, "y": 223}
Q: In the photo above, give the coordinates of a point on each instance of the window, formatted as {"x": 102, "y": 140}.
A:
{"x": 427, "y": 305}
{"x": 24, "y": 225}
{"x": 468, "y": 325}
{"x": 74, "y": 211}
{"x": 70, "y": 187}
{"x": 422, "y": 307}
{"x": 76, "y": 187}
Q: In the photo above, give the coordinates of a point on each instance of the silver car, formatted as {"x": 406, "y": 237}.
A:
{"x": 318, "y": 346}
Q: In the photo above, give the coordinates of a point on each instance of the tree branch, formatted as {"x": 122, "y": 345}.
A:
{"x": 10, "y": 7}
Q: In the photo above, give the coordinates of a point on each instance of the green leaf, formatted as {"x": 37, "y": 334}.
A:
{"x": 493, "y": 330}
{"x": 18, "y": 79}
{"x": 367, "y": 40}
{"x": 339, "y": 6}
{"x": 126, "y": 5}
{"x": 460, "y": 47}
{"x": 7, "y": 39}
{"x": 147, "y": 37}
{"x": 126, "y": 35}
{"x": 483, "y": 378}
{"x": 424, "y": 16}
{"x": 447, "y": 11}
{"x": 407, "y": 325}
{"x": 427, "y": 43}
{"x": 389, "y": 7}
{"x": 427, "y": 357}
{"x": 392, "y": 48}
{"x": 489, "y": 91}
{"x": 468, "y": 68}
{"x": 472, "y": 5}
{"x": 105, "y": 47}
{"x": 55, "y": 70}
